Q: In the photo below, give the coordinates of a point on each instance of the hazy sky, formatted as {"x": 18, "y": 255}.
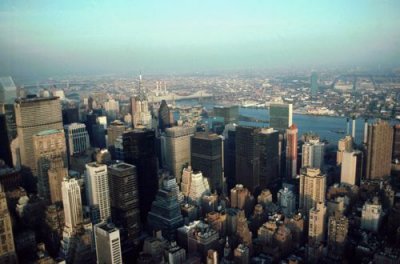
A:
{"x": 83, "y": 36}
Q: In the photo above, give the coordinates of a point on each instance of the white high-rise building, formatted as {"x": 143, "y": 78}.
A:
{"x": 97, "y": 188}
{"x": 351, "y": 167}
{"x": 71, "y": 195}
{"x": 194, "y": 185}
{"x": 344, "y": 144}
{"x": 312, "y": 188}
{"x": 108, "y": 244}
{"x": 317, "y": 224}
{"x": 371, "y": 215}
{"x": 287, "y": 201}
{"x": 77, "y": 138}
{"x": 313, "y": 154}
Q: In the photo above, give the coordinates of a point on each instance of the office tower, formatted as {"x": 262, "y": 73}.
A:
{"x": 50, "y": 152}
{"x": 175, "y": 254}
{"x": 287, "y": 201}
{"x": 34, "y": 115}
{"x": 313, "y": 152}
{"x": 280, "y": 116}
{"x": 108, "y": 244}
{"x": 338, "y": 226}
{"x": 291, "y": 152}
{"x": 140, "y": 109}
{"x": 352, "y": 166}
{"x": 139, "y": 150}
{"x": 314, "y": 84}
{"x": 9, "y": 111}
{"x": 5, "y": 150}
{"x": 175, "y": 149}
{"x": 240, "y": 197}
{"x": 164, "y": 118}
{"x": 116, "y": 129}
{"x": 97, "y": 189}
{"x": 194, "y": 185}
{"x": 371, "y": 215}
{"x": 312, "y": 188}
{"x": 70, "y": 115}
{"x": 7, "y": 249}
{"x": 242, "y": 230}
{"x": 124, "y": 195}
{"x": 379, "y": 150}
{"x": 165, "y": 214}
{"x": 229, "y": 113}
{"x": 99, "y": 136}
{"x": 317, "y": 223}
{"x": 112, "y": 108}
{"x": 77, "y": 138}
{"x": 230, "y": 155}
{"x": 8, "y": 90}
{"x": 57, "y": 172}
{"x": 344, "y": 144}
{"x": 71, "y": 198}
{"x": 265, "y": 197}
{"x": 396, "y": 142}
{"x": 247, "y": 157}
{"x": 206, "y": 157}
{"x": 268, "y": 140}
{"x": 242, "y": 254}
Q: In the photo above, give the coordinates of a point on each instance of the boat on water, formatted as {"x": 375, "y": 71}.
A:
{"x": 338, "y": 131}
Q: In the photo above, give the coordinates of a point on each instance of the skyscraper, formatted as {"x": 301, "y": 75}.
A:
{"x": 108, "y": 244}
{"x": 34, "y": 115}
{"x": 344, "y": 144}
{"x": 312, "y": 188}
{"x": 49, "y": 152}
{"x": 314, "y": 84}
{"x": 175, "y": 149}
{"x": 280, "y": 116}
{"x": 291, "y": 152}
{"x": 338, "y": 226}
{"x": 194, "y": 186}
{"x": 97, "y": 189}
{"x": 71, "y": 197}
{"x": 371, "y": 215}
{"x": 141, "y": 115}
{"x": 8, "y": 90}
{"x": 116, "y": 129}
{"x": 230, "y": 155}
{"x": 124, "y": 194}
{"x": 229, "y": 113}
{"x": 268, "y": 140}
{"x": 164, "y": 116}
{"x": 5, "y": 150}
{"x": 352, "y": 166}
{"x": 7, "y": 248}
{"x": 317, "y": 223}
{"x": 139, "y": 150}
{"x": 77, "y": 138}
{"x": 57, "y": 172}
{"x": 206, "y": 155}
{"x": 379, "y": 150}
{"x": 396, "y": 142}
{"x": 247, "y": 157}
{"x": 287, "y": 201}
{"x": 313, "y": 152}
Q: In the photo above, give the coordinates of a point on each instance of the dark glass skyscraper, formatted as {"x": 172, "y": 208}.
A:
{"x": 206, "y": 157}
{"x": 139, "y": 150}
{"x": 229, "y": 113}
{"x": 396, "y": 142}
{"x": 164, "y": 120}
{"x": 268, "y": 140}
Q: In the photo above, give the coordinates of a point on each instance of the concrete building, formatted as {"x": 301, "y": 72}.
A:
{"x": 312, "y": 188}
{"x": 114, "y": 130}
{"x": 56, "y": 173}
{"x": 313, "y": 152}
{"x": 338, "y": 226}
{"x": 124, "y": 198}
{"x": 72, "y": 201}
{"x": 7, "y": 248}
{"x": 97, "y": 189}
{"x": 108, "y": 244}
{"x": 291, "y": 152}
{"x": 194, "y": 186}
{"x": 352, "y": 167}
{"x": 379, "y": 150}
{"x": 317, "y": 224}
{"x": 280, "y": 116}
{"x": 34, "y": 115}
{"x": 344, "y": 145}
{"x": 175, "y": 149}
{"x": 371, "y": 215}
{"x": 287, "y": 201}
{"x": 207, "y": 157}
{"x": 240, "y": 197}
{"x": 49, "y": 152}
{"x": 77, "y": 138}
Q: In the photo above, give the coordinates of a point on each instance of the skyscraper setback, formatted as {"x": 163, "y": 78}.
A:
{"x": 34, "y": 115}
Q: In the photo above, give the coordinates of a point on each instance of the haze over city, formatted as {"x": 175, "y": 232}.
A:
{"x": 98, "y": 37}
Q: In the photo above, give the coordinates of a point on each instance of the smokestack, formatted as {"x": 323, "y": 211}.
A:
{"x": 365, "y": 131}
{"x": 353, "y": 131}
{"x": 348, "y": 126}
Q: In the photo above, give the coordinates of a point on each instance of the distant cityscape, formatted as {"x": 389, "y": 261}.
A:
{"x": 201, "y": 168}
